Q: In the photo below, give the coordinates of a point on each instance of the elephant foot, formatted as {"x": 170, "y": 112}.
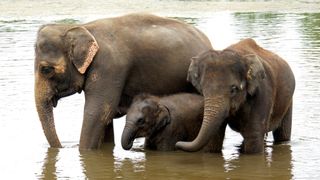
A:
{"x": 252, "y": 146}
{"x": 215, "y": 145}
{"x": 283, "y": 132}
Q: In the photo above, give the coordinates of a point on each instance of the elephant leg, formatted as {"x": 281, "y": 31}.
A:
{"x": 253, "y": 144}
{"x": 216, "y": 143}
{"x": 100, "y": 108}
{"x": 102, "y": 99}
{"x": 98, "y": 115}
{"x": 109, "y": 133}
{"x": 253, "y": 137}
{"x": 283, "y": 132}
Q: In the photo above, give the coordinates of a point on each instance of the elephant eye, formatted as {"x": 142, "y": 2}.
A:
{"x": 234, "y": 89}
{"x": 46, "y": 70}
{"x": 140, "y": 122}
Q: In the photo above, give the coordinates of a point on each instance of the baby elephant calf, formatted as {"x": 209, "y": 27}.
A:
{"x": 163, "y": 121}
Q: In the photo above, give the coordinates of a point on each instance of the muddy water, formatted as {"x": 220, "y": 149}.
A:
{"x": 290, "y": 29}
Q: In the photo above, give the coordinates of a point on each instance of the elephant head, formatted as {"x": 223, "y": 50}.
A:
{"x": 225, "y": 78}
{"x": 145, "y": 117}
{"x": 62, "y": 55}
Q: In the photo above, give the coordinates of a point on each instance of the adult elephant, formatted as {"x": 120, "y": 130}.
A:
{"x": 111, "y": 60}
{"x": 249, "y": 88}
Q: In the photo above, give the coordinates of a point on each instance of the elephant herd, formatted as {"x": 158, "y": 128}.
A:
{"x": 163, "y": 74}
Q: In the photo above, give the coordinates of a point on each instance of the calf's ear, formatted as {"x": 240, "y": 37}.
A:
{"x": 163, "y": 117}
{"x": 255, "y": 74}
{"x": 81, "y": 47}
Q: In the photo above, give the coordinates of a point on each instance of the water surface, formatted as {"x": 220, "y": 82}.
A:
{"x": 291, "y": 32}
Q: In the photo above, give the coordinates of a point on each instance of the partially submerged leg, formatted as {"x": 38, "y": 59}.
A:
{"x": 283, "y": 132}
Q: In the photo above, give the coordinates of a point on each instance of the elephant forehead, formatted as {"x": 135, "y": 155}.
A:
{"x": 49, "y": 41}
{"x": 139, "y": 109}
{"x": 49, "y": 36}
{"x": 134, "y": 115}
{"x": 224, "y": 66}
{"x": 216, "y": 71}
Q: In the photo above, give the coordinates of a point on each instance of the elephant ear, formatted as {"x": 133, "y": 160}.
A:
{"x": 163, "y": 117}
{"x": 256, "y": 73}
{"x": 194, "y": 73}
{"x": 81, "y": 46}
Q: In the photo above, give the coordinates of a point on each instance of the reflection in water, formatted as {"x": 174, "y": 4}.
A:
{"x": 275, "y": 163}
{"x": 49, "y": 169}
{"x": 122, "y": 158}
{"x": 98, "y": 163}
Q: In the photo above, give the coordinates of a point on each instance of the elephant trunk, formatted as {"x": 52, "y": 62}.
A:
{"x": 214, "y": 114}
{"x": 45, "y": 112}
{"x": 128, "y": 136}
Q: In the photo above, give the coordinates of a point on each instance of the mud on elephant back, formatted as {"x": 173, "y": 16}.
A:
{"x": 111, "y": 60}
{"x": 248, "y": 88}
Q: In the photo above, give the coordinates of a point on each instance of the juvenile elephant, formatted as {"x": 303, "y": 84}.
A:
{"x": 163, "y": 121}
{"x": 111, "y": 60}
{"x": 246, "y": 86}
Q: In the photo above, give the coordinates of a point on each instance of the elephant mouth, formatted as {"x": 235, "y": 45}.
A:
{"x": 54, "y": 101}
{"x": 131, "y": 140}
{"x": 62, "y": 94}
{"x": 128, "y": 139}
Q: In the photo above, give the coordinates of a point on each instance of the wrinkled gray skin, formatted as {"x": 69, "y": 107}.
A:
{"x": 111, "y": 60}
{"x": 163, "y": 121}
{"x": 249, "y": 88}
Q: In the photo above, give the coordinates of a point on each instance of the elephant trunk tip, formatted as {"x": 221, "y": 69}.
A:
{"x": 57, "y": 145}
{"x": 52, "y": 138}
{"x": 128, "y": 136}
{"x": 127, "y": 142}
{"x": 187, "y": 146}
{"x": 127, "y": 146}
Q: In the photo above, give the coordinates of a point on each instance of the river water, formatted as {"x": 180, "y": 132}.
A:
{"x": 291, "y": 29}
